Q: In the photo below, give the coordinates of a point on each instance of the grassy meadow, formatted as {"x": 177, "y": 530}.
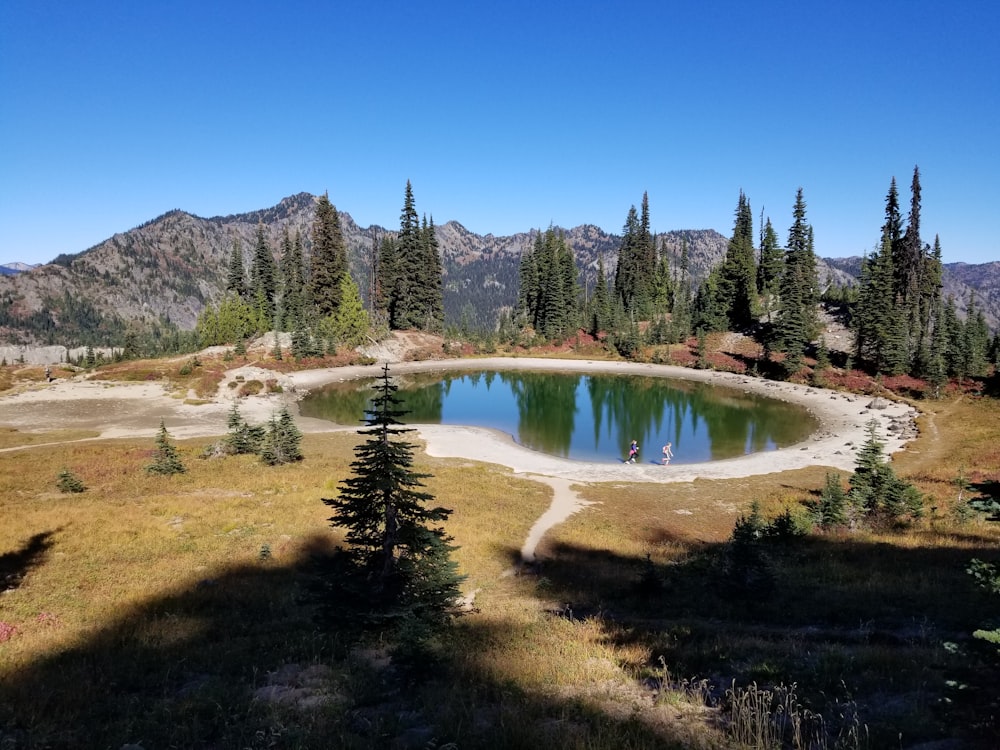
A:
{"x": 171, "y": 612}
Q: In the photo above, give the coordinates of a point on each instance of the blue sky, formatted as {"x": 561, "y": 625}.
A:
{"x": 505, "y": 116}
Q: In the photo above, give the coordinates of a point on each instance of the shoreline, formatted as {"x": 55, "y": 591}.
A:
{"x": 117, "y": 410}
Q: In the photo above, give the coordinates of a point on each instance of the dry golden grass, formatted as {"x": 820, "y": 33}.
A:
{"x": 154, "y": 584}
{"x": 12, "y": 438}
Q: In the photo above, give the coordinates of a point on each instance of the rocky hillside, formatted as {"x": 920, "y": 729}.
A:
{"x": 170, "y": 268}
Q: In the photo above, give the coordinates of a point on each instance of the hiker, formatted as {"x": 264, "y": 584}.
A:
{"x": 48, "y": 374}
{"x": 633, "y": 451}
{"x": 667, "y": 454}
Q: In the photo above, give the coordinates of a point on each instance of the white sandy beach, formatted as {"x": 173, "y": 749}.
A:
{"x": 125, "y": 410}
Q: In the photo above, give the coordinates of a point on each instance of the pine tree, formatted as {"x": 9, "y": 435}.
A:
{"x": 404, "y": 306}
{"x": 710, "y": 309}
{"x": 242, "y": 437}
{"x": 680, "y": 314}
{"x": 600, "y": 319}
{"x": 770, "y": 268}
{"x": 397, "y": 568}
{"x": 663, "y": 283}
{"x": 236, "y": 280}
{"x": 549, "y": 295}
{"x": 430, "y": 283}
{"x": 876, "y": 491}
{"x": 386, "y": 279}
{"x": 831, "y": 510}
{"x": 797, "y": 319}
{"x": 293, "y": 283}
{"x": 263, "y": 280}
{"x": 68, "y": 482}
{"x": 975, "y": 339}
{"x": 738, "y": 274}
{"x": 166, "y": 459}
{"x": 329, "y": 258}
{"x": 350, "y": 322}
{"x": 281, "y": 441}
{"x": 936, "y": 368}
{"x": 636, "y": 264}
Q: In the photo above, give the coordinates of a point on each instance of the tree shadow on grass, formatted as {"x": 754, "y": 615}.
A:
{"x": 858, "y": 620}
{"x": 14, "y": 566}
{"x": 235, "y": 659}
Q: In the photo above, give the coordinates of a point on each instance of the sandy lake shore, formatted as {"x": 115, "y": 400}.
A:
{"x": 134, "y": 410}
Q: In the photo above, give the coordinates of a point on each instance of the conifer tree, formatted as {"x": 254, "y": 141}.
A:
{"x": 601, "y": 304}
{"x": 936, "y": 368}
{"x": 549, "y": 293}
{"x": 409, "y": 254}
{"x": 236, "y": 280}
{"x": 385, "y": 283}
{"x": 663, "y": 282}
{"x": 350, "y": 322}
{"x": 738, "y": 276}
{"x": 770, "y": 267}
{"x": 680, "y": 317}
{"x": 329, "y": 258}
{"x": 397, "y": 568}
{"x": 68, "y": 482}
{"x": 831, "y": 510}
{"x": 975, "y": 340}
{"x": 636, "y": 264}
{"x": 797, "y": 319}
{"x": 876, "y": 491}
{"x": 293, "y": 283}
{"x": 166, "y": 459}
{"x": 263, "y": 279}
{"x": 242, "y": 437}
{"x": 430, "y": 281}
{"x": 709, "y": 310}
{"x": 281, "y": 442}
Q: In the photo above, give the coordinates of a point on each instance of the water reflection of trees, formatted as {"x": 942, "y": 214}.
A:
{"x": 546, "y": 409}
{"x": 346, "y": 403}
{"x": 703, "y": 421}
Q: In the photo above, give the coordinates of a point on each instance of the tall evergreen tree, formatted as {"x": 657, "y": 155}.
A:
{"x": 430, "y": 280}
{"x": 710, "y": 311}
{"x": 636, "y": 264}
{"x": 236, "y": 279}
{"x": 293, "y": 283}
{"x": 936, "y": 369}
{"x": 738, "y": 276}
{"x": 397, "y": 567}
{"x": 329, "y": 258}
{"x": 263, "y": 278}
{"x": 600, "y": 318}
{"x": 350, "y": 322}
{"x": 405, "y": 306}
{"x": 680, "y": 313}
{"x": 549, "y": 296}
{"x": 385, "y": 282}
{"x": 797, "y": 320}
{"x": 769, "y": 270}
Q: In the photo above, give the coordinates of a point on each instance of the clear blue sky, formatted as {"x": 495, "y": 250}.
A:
{"x": 506, "y": 116}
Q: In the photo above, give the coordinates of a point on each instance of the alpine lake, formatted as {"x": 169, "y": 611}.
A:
{"x": 583, "y": 417}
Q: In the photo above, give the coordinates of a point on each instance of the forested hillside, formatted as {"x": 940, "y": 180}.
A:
{"x": 163, "y": 274}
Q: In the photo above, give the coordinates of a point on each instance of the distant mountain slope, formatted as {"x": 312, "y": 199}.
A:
{"x": 171, "y": 267}
{"x": 10, "y": 269}
{"x": 958, "y": 280}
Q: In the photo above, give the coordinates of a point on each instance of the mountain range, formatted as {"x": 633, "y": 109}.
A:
{"x": 171, "y": 267}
